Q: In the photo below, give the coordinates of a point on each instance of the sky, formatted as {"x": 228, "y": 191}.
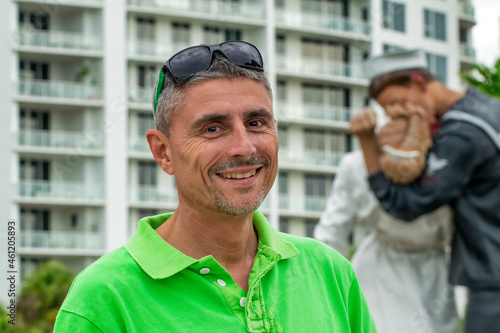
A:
{"x": 486, "y": 32}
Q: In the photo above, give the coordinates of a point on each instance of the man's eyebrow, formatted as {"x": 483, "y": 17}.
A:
{"x": 259, "y": 113}
{"x": 209, "y": 118}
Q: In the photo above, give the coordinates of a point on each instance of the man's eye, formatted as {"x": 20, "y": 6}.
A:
{"x": 212, "y": 129}
{"x": 255, "y": 123}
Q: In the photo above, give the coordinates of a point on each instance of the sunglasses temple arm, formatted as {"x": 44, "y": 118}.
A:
{"x": 159, "y": 87}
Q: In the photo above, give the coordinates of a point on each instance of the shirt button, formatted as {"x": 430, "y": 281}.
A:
{"x": 243, "y": 301}
{"x": 221, "y": 282}
{"x": 205, "y": 270}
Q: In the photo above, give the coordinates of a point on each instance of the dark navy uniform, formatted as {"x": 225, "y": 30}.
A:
{"x": 463, "y": 170}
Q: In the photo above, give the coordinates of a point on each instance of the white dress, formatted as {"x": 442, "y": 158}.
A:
{"x": 402, "y": 267}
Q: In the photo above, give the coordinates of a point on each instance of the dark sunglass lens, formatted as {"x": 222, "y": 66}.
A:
{"x": 243, "y": 54}
{"x": 186, "y": 63}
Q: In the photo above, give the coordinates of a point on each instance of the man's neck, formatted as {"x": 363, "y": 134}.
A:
{"x": 232, "y": 241}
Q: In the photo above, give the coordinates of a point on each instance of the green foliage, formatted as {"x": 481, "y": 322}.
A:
{"x": 5, "y": 327}
{"x": 42, "y": 295}
{"x": 484, "y": 78}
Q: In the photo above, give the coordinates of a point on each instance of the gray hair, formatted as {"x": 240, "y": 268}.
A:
{"x": 171, "y": 98}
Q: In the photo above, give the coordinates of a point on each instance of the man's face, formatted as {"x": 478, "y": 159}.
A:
{"x": 224, "y": 146}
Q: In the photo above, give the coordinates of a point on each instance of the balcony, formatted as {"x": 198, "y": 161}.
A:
{"x": 57, "y": 141}
{"x": 141, "y": 95}
{"x": 60, "y": 191}
{"x": 323, "y": 69}
{"x": 467, "y": 53}
{"x": 151, "y": 48}
{"x": 57, "y": 41}
{"x": 242, "y": 9}
{"x": 67, "y": 240}
{"x": 306, "y": 205}
{"x": 139, "y": 145}
{"x": 466, "y": 13}
{"x": 305, "y": 159}
{"x": 58, "y": 91}
{"x": 154, "y": 195}
{"x": 347, "y": 27}
{"x": 314, "y": 112}
{"x": 51, "y": 6}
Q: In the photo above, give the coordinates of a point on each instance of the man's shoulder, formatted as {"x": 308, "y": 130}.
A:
{"x": 106, "y": 271}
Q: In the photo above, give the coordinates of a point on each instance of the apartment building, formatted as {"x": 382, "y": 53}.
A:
{"x": 77, "y": 85}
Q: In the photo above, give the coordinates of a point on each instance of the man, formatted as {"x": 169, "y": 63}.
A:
{"x": 463, "y": 170}
{"x": 401, "y": 267}
{"x": 215, "y": 264}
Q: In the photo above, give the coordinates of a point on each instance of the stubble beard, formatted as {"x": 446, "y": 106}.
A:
{"x": 228, "y": 206}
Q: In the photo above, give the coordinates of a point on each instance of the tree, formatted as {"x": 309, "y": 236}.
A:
{"x": 484, "y": 78}
{"x": 42, "y": 295}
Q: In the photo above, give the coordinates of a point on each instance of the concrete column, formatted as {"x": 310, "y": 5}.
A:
{"x": 115, "y": 123}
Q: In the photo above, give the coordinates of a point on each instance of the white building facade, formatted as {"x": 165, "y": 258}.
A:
{"x": 78, "y": 77}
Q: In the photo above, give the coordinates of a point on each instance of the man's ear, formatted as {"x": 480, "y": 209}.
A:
{"x": 160, "y": 147}
{"x": 419, "y": 81}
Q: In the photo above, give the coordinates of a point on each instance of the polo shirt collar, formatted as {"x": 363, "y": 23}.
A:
{"x": 160, "y": 260}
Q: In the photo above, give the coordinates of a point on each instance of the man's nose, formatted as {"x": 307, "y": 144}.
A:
{"x": 241, "y": 143}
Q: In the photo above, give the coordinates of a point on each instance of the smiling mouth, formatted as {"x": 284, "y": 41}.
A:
{"x": 238, "y": 175}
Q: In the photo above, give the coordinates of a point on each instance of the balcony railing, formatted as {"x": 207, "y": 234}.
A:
{"x": 57, "y": 40}
{"x": 58, "y": 89}
{"x": 318, "y": 66}
{"x": 143, "y": 95}
{"x": 67, "y": 190}
{"x": 314, "y": 111}
{"x": 467, "y": 51}
{"x": 466, "y": 9}
{"x": 77, "y": 240}
{"x": 310, "y": 157}
{"x": 153, "y": 48}
{"x": 139, "y": 145}
{"x": 308, "y": 204}
{"x": 244, "y": 9}
{"x": 145, "y": 193}
{"x": 324, "y": 21}
{"x": 56, "y": 139}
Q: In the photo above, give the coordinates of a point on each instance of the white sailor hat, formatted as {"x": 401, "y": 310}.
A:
{"x": 378, "y": 65}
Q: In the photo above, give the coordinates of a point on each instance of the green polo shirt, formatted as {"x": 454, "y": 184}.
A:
{"x": 296, "y": 285}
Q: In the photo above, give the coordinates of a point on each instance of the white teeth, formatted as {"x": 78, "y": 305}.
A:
{"x": 238, "y": 175}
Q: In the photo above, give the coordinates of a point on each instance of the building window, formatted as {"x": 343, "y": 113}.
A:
{"x": 279, "y": 4}
{"x": 321, "y": 143}
{"x": 322, "y": 50}
{"x": 310, "y": 225}
{"x": 33, "y": 70}
{"x": 145, "y": 29}
{"x": 34, "y": 119}
{"x": 181, "y": 33}
{"x": 34, "y": 169}
{"x": 280, "y": 45}
{"x": 434, "y": 25}
{"x": 145, "y": 212}
{"x": 216, "y": 35}
{"x": 34, "y": 20}
{"x": 147, "y": 76}
{"x": 317, "y": 190}
{"x": 283, "y": 136}
{"x": 284, "y": 225}
{"x": 281, "y": 91}
{"x": 324, "y": 7}
{"x": 35, "y": 219}
{"x": 147, "y": 173}
{"x": 144, "y": 123}
{"x": 438, "y": 65}
{"x": 283, "y": 183}
{"x": 393, "y": 16}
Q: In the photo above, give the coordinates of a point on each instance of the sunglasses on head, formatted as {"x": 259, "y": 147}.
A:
{"x": 188, "y": 62}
